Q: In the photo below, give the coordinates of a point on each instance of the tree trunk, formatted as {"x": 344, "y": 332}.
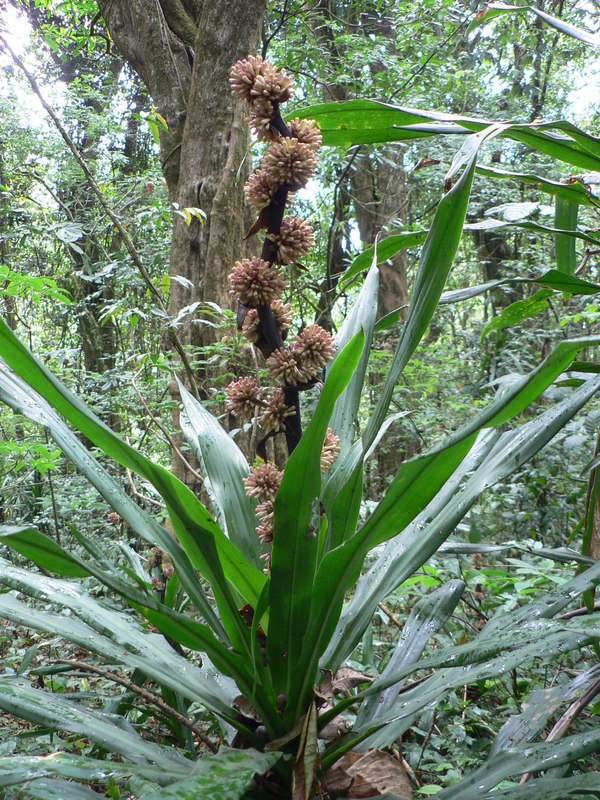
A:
{"x": 183, "y": 52}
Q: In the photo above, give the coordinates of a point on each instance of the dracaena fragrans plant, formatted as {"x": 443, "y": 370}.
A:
{"x": 208, "y": 626}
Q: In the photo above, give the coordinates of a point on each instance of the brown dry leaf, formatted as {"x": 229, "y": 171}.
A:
{"x": 325, "y": 688}
{"x": 426, "y": 162}
{"x": 245, "y": 708}
{"x": 306, "y": 758}
{"x": 369, "y": 774}
{"x": 334, "y": 729}
{"x": 261, "y": 222}
{"x": 346, "y": 679}
{"x": 337, "y": 780}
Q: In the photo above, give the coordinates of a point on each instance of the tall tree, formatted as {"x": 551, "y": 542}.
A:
{"x": 183, "y": 50}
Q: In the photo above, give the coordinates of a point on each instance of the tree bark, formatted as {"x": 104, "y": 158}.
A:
{"x": 183, "y": 52}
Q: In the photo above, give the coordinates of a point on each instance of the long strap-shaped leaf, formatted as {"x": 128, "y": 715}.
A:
{"x": 416, "y": 484}
{"x": 51, "y": 710}
{"x": 226, "y": 467}
{"x": 297, "y": 525}
{"x": 16, "y": 770}
{"x": 426, "y": 618}
{"x": 146, "y": 652}
{"x": 224, "y": 776}
{"x": 361, "y": 317}
{"x": 517, "y": 634}
{"x": 182, "y": 628}
{"x": 56, "y": 789}
{"x": 436, "y": 260}
{"x": 411, "y": 550}
{"x": 529, "y": 757}
{"x": 206, "y": 545}
{"x": 383, "y": 576}
{"x": 24, "y": 400}
{"x": 547, "y": 787}
{"x": 538, "y": 707}
{"x": 368, "y": 121}
{"x": 398, "y": 719}
{"x": 565, "y": 219}
{"x": 500, "y": 9}
{"x": 576, "y": 192}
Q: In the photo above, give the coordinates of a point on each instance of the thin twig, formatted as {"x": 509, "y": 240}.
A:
{"x": 579, "y": 612}
{"x": 139, "y": 495}
{"x": 125, "y": 237}
{"x": 427, "y": 737}
{"x": 165, "y": 433}
{"x": 435, "y": 51}
{"x": 148, "y": 697}
{"x": 570, "y": 715}
{"x": 586, "y": 257}
{"x": 391, "y": 615}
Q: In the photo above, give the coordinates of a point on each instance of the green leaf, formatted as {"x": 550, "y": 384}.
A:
{"x": 226, "y": 467}
{"x": 493, "y": 10}
{"x": 368, "y": 121}
{"x": 387, "y": 571}
{"x": 565, "y": 218}
{"x": 426, "y": 618}
{"x": 209, "y": 550}
{"x": 296, "y": 527}
{"x": 518, "y": 311}
{"x": 436, "y": 260}
{"x": 101, "y": 630}
{"x": 491, "y": 223}
{"x": 224, "y": 776}
{"x": 17, "y": 697}
{"x": 537, "y": 709}
{"x": 482, "y": 659}
{"x": 56, "y": 789}
{"x": 16, "y": 770}
{"x": 42, "y": 550}
{"x": 576, "y": 191}
{"x": 344, "y": 420}
{"x": 527, "y": 758}
{"x": 22, "y": 399}
{"x": 413, "y": 488}
{"x": 548, "y": 788}
{"x": 179, "y": 627}
{"x": 553, "y": 279}
{"x": 435, "y": 688}
{"x": 386, "y": 248}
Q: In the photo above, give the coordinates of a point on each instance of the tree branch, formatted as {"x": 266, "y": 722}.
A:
{"x": 148, "y": 697}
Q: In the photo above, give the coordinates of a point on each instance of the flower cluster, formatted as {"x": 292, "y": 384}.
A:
{"x": 256, "y": 282}
{"x": 287, "y": 165}
{"x": 331, "y": 450}
{"x": 282, "y": 313}
{"x": 262, "y": 483}
{"x": 294, "y": 240}
{"x": 242, "y": 396}
{"x": 254, "y": 79}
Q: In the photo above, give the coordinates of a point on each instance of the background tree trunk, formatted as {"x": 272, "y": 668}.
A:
{"x": 183, "y": 52}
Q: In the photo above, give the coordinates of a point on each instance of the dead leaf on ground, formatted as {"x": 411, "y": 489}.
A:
{"x": 346, "y": 679}
{"x": 369, "y": 774}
